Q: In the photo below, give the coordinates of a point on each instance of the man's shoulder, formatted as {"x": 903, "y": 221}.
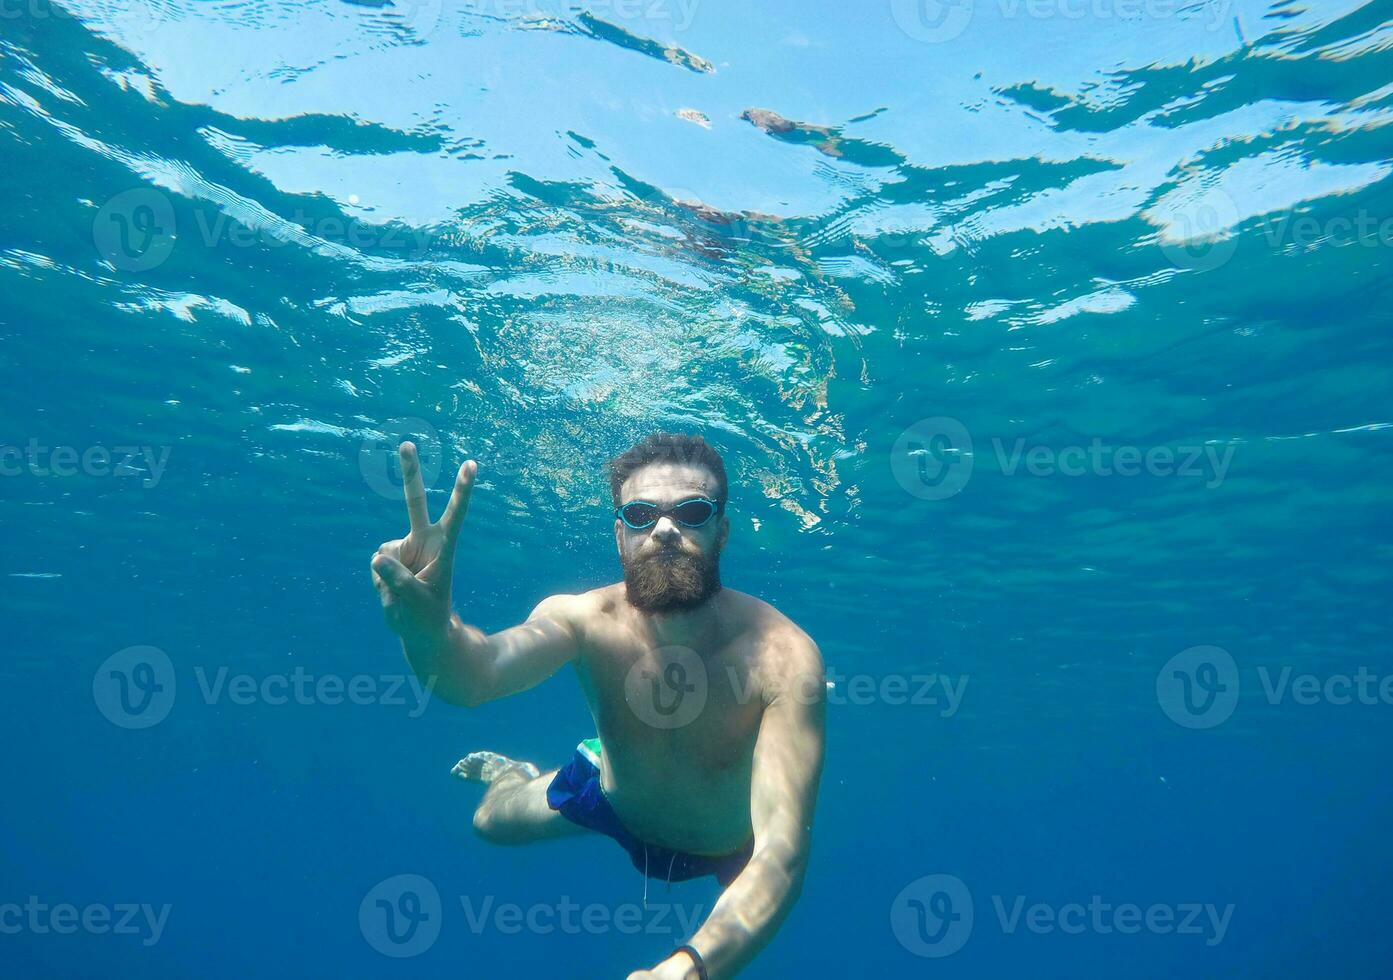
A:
{"x": 777, "y": 637}
{"x": 579, "y": 607}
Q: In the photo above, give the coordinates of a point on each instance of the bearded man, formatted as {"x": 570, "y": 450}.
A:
{"x": 708, "y": 703}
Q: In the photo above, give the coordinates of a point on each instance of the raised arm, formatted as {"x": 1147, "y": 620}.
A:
{"x": 460, "y": 662}
{"x": 783, "y": 793}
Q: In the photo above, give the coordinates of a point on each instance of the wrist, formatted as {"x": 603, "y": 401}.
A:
{"x": 429, "y": 642}
{"x": 693, "y": 966}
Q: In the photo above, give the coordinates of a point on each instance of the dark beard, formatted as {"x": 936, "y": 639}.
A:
{"x": 671, "y": 581}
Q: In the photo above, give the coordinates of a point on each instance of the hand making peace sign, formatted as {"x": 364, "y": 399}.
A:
{"x": 412, "y": 574}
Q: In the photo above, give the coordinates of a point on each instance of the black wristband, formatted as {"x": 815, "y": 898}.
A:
{"x": 696, "y": 958}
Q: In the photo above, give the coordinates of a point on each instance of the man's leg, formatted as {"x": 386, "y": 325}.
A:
{"x": 514, "y": 809}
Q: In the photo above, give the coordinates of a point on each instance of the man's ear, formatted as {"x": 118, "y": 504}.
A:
{"x": 722, "y": 533}
{"x": 619, "y": 537}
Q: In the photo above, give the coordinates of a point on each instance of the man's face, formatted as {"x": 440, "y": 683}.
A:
{"x": 670, "y": 567}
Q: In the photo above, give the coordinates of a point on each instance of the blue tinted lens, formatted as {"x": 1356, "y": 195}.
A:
{"x": 694, "y": 513}
{"x": 639, "y": 515}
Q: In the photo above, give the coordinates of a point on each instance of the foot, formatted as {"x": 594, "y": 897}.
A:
{"x": 485, "y": 767}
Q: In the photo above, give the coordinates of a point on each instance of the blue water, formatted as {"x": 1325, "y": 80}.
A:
{"x": 1045, "y": 342}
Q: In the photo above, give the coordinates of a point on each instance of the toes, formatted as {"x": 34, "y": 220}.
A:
{"x": 474, "y": 766}
{"x": 488, "y": 766}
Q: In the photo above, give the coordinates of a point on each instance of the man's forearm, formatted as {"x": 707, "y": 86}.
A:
{"x": 452, "y": 661}
{"x": 750, "y": 911}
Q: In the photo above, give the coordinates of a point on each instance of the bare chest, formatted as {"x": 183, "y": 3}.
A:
{"x": 673, "y": 713}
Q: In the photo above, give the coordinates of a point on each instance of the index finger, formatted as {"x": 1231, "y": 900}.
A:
{"x": 413, "y": 488}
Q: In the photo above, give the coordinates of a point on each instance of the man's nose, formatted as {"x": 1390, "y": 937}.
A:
{"x": 665, "y": 531}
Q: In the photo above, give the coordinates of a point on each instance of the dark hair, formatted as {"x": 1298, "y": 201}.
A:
{"x": 669, "y": 447}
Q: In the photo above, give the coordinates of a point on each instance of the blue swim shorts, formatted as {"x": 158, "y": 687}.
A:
{"x": 575, "y": 793}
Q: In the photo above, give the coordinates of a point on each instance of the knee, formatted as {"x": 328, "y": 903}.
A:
{"x": 485, "y": 823}
{"x": 494, "y": 825}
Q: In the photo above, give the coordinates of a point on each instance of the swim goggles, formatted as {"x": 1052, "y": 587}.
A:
{"x": 639, "y": 515}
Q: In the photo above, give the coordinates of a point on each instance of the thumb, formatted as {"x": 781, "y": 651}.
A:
{"x": 393, "y": 572}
